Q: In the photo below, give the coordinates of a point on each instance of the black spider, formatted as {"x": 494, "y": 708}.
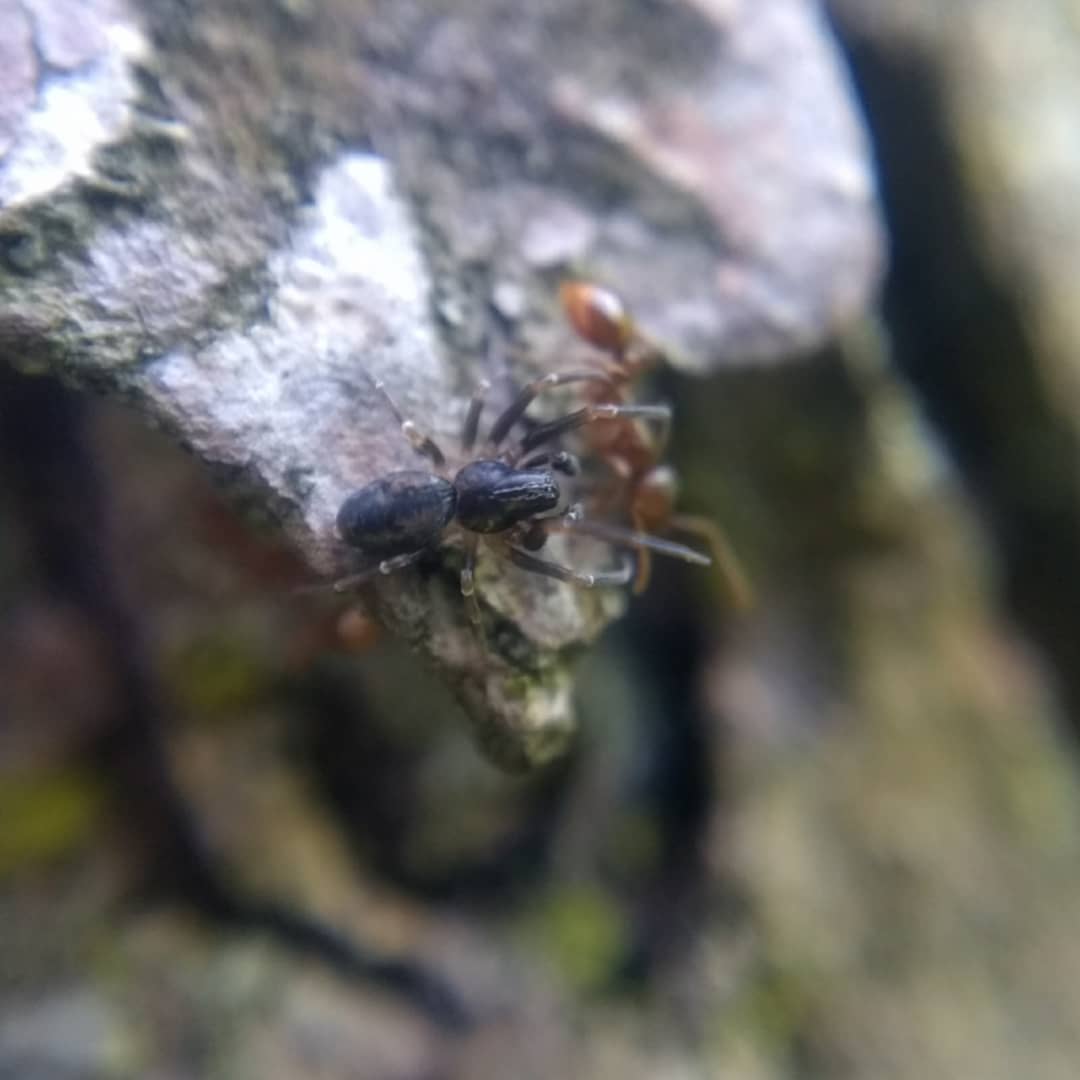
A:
{"x": 514, "y": 494}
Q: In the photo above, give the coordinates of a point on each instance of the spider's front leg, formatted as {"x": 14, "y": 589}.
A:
{"x": 591, "y": 414}
{"x": 516, "y": 409}
{"x": 591, "y": 579}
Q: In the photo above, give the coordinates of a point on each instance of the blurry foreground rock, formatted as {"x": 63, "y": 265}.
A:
{"x": 901, "y": 821}
{"x": 973, "y": 103}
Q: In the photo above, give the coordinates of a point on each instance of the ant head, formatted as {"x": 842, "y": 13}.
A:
{"x": 597, "y": 315}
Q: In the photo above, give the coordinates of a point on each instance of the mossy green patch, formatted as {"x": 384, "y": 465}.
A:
{"x": 218, "y": 673}
{"x": 46, "y": 815}
{"x": 582, "y": 933}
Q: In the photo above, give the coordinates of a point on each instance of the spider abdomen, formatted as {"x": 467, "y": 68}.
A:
{"x": 399, "y": 513}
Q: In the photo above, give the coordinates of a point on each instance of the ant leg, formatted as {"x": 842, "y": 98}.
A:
{"x": 590, "y": 414}
{"x": 516, "y": 409}
{"x": 421, "y": 443}
{"x": 468, "y": 583}
{"x": 593, "y": 579}
{"x": 644, "y": 566}
{"x": 663, "y": 435}
{"x": 387, "y": 566}
{"x": 738, "y": 584}
{"x": 644, "y": 572}
{"x": 472, "y": 417}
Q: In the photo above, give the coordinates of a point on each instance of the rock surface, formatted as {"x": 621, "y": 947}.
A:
{"x": 221, "y": 217}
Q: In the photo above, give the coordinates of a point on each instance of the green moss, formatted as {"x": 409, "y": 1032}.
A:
{"x": 46, "y": 816}
{"x": 518, "y": 687}
{"x": 218, "y": 673}
{"x": 581, "y": 932}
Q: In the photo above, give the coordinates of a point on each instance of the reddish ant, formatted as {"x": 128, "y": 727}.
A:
{"x": 627, "y": 446}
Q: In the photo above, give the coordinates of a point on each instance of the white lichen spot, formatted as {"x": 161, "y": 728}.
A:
{"x": 355, "y": 240}
{"x": 77, "y": 112}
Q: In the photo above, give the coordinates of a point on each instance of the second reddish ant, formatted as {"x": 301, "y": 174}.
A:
{"x": 628, "y": 446}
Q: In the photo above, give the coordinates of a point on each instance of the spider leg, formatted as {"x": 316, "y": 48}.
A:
{"x": 590, "y": 414}
{"x": 632, "y": 538}
{"x": 386, "y": 566}
{"x": 588, "y": 580}
{"x": 516, "y": 409}
{"x": 472, "y": 417}
{"x": 421, "y": 443}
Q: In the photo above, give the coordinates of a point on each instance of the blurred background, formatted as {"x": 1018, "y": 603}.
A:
{"x": 835, "y": 836}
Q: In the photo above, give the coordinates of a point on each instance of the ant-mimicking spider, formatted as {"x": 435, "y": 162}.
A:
{"x": 512, "y": 494}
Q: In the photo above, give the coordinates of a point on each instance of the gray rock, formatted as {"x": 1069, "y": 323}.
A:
{"x": 227, "y": 218}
